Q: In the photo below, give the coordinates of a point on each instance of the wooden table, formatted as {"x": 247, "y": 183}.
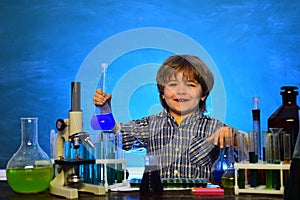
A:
{"x": 7, "y": 193}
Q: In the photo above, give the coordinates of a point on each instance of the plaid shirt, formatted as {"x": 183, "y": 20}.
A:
{"x": 181, "y": 149}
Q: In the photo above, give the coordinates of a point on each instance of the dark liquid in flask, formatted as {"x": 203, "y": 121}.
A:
{"x": 104, "y": 122}
{"x": 151, "y": 182}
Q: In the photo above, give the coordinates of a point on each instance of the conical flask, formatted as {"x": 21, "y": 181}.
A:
{"x": 30, "y": 169}
{"x": 224, "y": 162}
{"x": 103, "y": 118}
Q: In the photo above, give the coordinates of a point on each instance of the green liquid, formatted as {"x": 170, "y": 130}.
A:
{"x": 32, "y": 180}
{"x": 227, "y": 182}
{"x": 269, "y": 181}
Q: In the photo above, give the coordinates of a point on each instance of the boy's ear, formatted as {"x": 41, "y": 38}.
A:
{"x": 203, "y": 98}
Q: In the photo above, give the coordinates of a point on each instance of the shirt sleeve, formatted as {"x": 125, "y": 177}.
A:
{"x": 202, "y": 152}
{"x": 135, "y": 131}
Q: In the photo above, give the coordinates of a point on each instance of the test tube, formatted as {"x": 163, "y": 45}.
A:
{"x": 269, "y": 148}
{"x": 241, "y": 159}
{"x": 269, "y": 159}
{"x": 276, "y": 148}
{"x": 256, "y": 126}
{"x": 276, "y": 157}
{"x": 252, "y": 147}
{"x": 286, "y": 148}
{"x": 253, "y": 158}
{"x": 109, "y": 153}
{"x": 263, "y": 144}
{"x": 286, "y": 154}
{"x": 119, "y": 155}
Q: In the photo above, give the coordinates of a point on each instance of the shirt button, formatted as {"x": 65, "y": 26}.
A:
{"x": 176, "y": 172}
{"x": 177, "y": 149}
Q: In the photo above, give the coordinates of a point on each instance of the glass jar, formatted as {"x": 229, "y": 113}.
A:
{"x": 30, "y": 169}
{"x": 287, "y": 116}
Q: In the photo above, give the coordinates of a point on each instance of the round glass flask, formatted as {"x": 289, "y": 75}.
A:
{"x": 223, "y": 164}
{"x": 30, "y": 169}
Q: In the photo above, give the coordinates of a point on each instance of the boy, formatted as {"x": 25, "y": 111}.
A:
{"x": 181, "y": 136}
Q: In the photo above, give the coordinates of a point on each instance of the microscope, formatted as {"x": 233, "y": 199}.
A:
{"x": 66, "y": 182}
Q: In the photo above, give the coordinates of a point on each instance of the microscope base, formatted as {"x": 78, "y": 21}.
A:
{"x": 72, "y": 193}
{"x": 60, "y": 186}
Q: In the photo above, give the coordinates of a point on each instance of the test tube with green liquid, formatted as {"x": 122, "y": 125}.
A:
{"x": 269, "y": 159}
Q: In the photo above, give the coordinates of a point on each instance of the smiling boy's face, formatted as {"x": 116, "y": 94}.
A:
{"x": 182, "y": 96}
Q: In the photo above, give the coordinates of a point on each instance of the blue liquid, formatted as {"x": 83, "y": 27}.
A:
{"x": 104, "y": 122}
{"x": 217, "y": 176}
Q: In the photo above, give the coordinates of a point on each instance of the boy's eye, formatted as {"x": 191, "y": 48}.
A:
{"x": 172, "y": 84}
{"x": 191, "y": 84}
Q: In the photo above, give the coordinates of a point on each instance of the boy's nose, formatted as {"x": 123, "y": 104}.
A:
{"x": 181, "y": 88}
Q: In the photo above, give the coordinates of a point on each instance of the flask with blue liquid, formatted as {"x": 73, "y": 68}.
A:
{"x": 103, "y": 118}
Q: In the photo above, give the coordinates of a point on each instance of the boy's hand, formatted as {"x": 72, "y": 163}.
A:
{"x": 100, "y": 97}
{"x": 225, "y": 133}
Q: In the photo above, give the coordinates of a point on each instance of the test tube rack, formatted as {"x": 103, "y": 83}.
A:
{"x": 261, "y": 189}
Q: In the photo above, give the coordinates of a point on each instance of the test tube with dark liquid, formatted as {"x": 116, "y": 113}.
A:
{"x": 241, "y": 159}
{"x": 253, "y": 158}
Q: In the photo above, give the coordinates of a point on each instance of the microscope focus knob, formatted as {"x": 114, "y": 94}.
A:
{"x": 60, "y": 124}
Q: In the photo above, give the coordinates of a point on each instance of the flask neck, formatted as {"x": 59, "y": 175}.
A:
{"x": 29, "y": 131}
{"x": 289, "y": 95}
{"x": 228, "y": 152}
{"x": 288, "y": 99}
{"x": 104, "y": 109}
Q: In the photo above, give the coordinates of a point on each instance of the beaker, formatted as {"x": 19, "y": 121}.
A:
{"x": 30, "y": 169}
{"x": 151, "y": 182}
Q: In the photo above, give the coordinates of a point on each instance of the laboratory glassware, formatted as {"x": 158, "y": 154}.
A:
{"x": 103, "y": 118}
{"x": 30, "y": 169}
{"x": 222, "y": 163}
{"x": 287, "y": 116}
{"x": 276, "y": 156}
{"x": 151, "y": 182}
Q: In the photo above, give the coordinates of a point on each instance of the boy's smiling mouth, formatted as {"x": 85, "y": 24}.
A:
{"x": 181, "y": 100}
